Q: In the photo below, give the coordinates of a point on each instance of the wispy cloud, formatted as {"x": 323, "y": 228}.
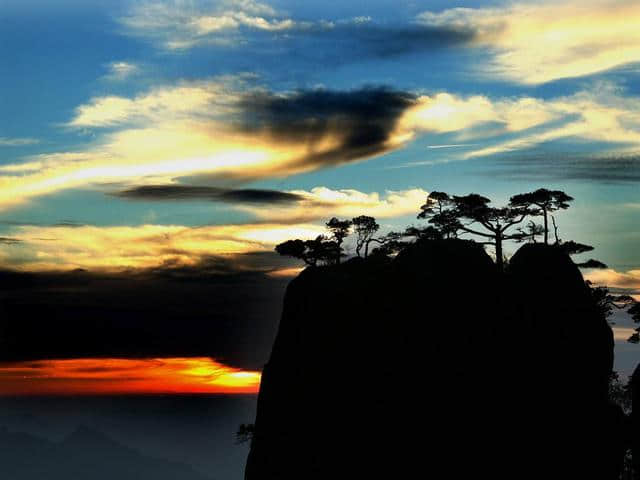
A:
{"x": 453, "y": 145}
{"x": 182, "y": 24}
{"x": 194, "y": 99}
{"x": 121, "y": 70}
{"x": 602, "y": 114}
{"x": 539, "y": 42}
{"x": 547, "y": 165}
{"x": 179, "y": 25}
{"x": 322, "y": 203}
{"x": 17, "y": 142}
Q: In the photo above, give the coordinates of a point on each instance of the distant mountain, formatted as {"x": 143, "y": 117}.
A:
{"x": 84, "y": 455}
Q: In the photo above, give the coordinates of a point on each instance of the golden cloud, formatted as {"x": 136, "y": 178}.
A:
{"x": 145, "y": 246}
{"x": 207, "y": 98}
{"x": 323, "y": 202}
{"x": 444, "y": 113}
{"x": 539, "y": 42}
{"x": 115, "y": 248}
{"x": 604, "y": 114}
{"x": 615, "y": 279}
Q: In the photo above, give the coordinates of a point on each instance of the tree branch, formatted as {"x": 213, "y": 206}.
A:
{"x": 469, "y": 230}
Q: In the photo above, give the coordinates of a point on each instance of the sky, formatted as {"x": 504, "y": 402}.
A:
{"x": 172, "y": 138}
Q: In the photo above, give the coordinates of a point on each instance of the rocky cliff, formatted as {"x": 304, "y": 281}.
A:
{"x": 436, "y": 362}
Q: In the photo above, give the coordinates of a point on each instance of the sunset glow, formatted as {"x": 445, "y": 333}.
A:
{"x": 108, "y": 376}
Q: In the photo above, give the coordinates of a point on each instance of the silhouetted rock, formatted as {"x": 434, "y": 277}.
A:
{"x": 436, "y": 362}
{"x": 635, "y": 421}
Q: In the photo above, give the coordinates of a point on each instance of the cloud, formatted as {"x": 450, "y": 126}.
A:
{"x": 351, "y": 124}
{"x": 295, "y": 206}
{"x": 322, "y": 203}
{"x": 190, "y": 192}
{"x": 121, "y": 70}
{"x": 207, "y": 99}
{"x": 17, "y": 142}
{"x": 445, "y": 112}
{"x": 181, "y": 24}
{"x": 114, "y": 248}
{"x": 562, "y": 166}
{"x": 210, "y": 129}
{"x": 622, "y": 334}
{"x": 356, "y": 39}
{"x": 539, "y": 42}
{"x": 451, "y": 145}
{"x": 602, "y": 114}
{"x": 9, "y": 240}
{"x": 147, "y": 246}
{"x": 529, "y": 43}
{"x": 223, "y": 129}
{"x": 629, "y": 280}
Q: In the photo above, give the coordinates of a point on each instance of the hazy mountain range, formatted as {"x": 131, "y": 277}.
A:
{"x": 84, "y": 454}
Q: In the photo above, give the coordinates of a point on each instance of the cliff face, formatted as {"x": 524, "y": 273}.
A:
{"x": 435, "y": 362}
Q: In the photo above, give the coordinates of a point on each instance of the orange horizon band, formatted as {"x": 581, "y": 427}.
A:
{"x": 121, "y": 376}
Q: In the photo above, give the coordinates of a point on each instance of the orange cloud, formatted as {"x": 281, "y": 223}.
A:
{"x": 124, "y": 376}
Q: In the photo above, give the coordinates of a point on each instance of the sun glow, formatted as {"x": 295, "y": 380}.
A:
{"x": 122, "y": 376}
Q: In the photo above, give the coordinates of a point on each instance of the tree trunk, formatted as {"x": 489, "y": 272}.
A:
{"x": 546, "y": 227}
{"x": 555, "y": 229}
{"x": 499, "y": 259}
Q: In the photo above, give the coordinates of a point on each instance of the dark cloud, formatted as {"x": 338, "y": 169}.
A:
{"x": 555, "y": 167}
{"x": 9, "y": 240}
{"x": 69, "y": 224}
{"x": 225, "y": 308}
{"x": 349, "y": 41}
{"x": 190, "y": 192}
{"x": 361, "y": 120}
{"x": 379, "y": 40}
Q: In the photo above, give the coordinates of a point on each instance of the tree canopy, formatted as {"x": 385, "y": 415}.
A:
{"x": 542, "y": 202}
{"x": 439, "y": 210}
{"x": 311, "y": 251}
{"x": 448, "y": 217}
{"x": 339, "y": 230}
{"x": 473, "y": 214}
{"x": 365, "y": 228}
